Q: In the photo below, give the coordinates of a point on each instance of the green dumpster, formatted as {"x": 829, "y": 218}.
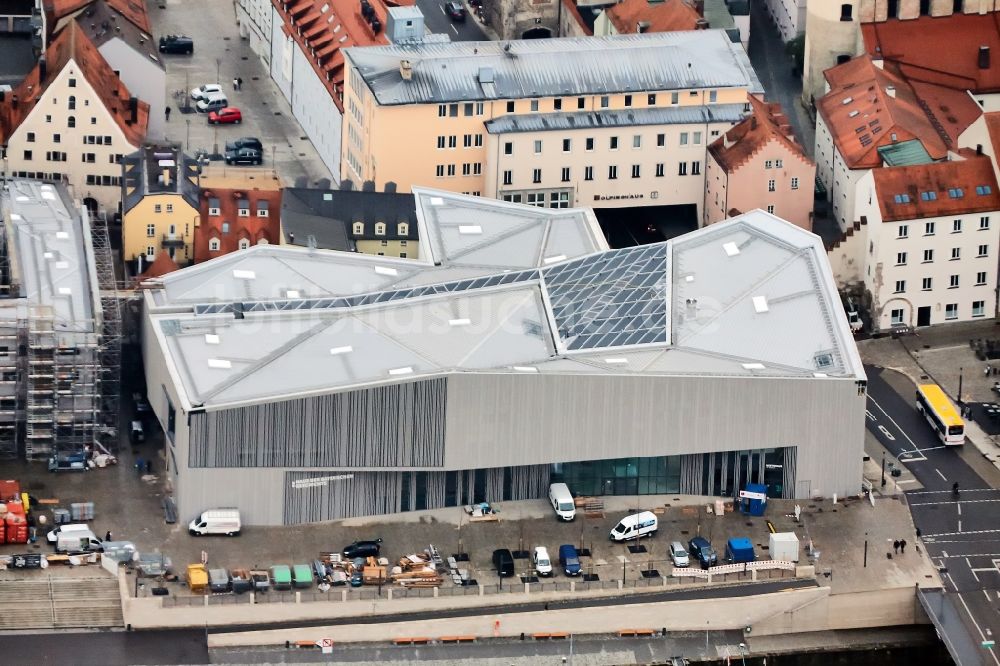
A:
{"x": 281, "y": 577}
{"x": 302, "y": 575}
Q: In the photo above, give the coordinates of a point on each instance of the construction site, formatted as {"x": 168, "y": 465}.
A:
{"x": 60, "y": 328}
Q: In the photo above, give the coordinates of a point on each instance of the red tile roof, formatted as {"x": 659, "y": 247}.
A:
{"x": 71, "y": 44}
{"x": 942, "y": 50}
{"x": 132, "y": 10}
{"x": 253, "y": 228}
{"x": 868, "y": 107}
{"x": 903, "y": 193}
{"x": 993, "y": 128}
{"x": 741, "y": 142}
{"x": 323, "y": 35}
{"x": 668, "y": 16}
{"x": 162, "y": 265}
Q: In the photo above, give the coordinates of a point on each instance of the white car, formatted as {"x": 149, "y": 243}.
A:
{"x": 201, "y": 92}
{"x": 679, "y": 554}
{"x": 540, "y": 558}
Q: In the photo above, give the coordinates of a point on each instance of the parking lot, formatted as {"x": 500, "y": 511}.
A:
{"x": 219, "y": 57}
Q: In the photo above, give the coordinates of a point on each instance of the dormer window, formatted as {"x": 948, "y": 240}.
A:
{"x": 261, "y": 212}
{"x": 213, "y": 245}
{"x": 213, "y": 212}
{"x": 244, "y": 243}
{"x": 403, "y": 229}
{"x": 244, "y": 212}
{"x": 380, "y": 228}
{"x": 359, "y": 228}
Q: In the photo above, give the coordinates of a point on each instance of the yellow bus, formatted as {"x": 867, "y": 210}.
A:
{"x": 941, "y": 414}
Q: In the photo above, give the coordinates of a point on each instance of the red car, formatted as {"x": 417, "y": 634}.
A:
{"x": 226, "y": 115}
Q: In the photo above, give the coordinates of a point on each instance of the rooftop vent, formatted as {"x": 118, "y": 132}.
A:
{"x": 383, "y": 270}
{"x": 459, "y": 322}
{"x": 219, "y": 363}
{"x": 642, "y": 26}
{"x": 211, "y": 339}
{"x": 760, "y": 304}
{"x": 753, "y": 366}
{"x": 401, "y": 371}
{"x": 525, "y": 368}
{"x": 890, "y": 91}
{"x": 406, "y": 70}
{"x": 346, "y": 349}
{"x": 731, "y": 249}
{"x": 244, "y": 275}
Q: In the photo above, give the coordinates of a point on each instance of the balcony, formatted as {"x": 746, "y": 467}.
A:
{"x": 173, "y": 240}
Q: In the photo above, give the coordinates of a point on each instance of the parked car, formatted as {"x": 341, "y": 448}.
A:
{"x": 455, "y": 11}
{"x": 357, "y": 573}
{"x": 701, "y": 550}
{"x": 503, "y": 562}
{"x": 540, "y": 558}
{"x": 176, "y": 44}
{"x": 678, "y": 555}
{"x": 136, "y": 433}
{"x": 212, "y": 102}
{"x": 203, "y": 91}
{"x": 216, "y": 521}
{"x": 634, "y": 526}
{"x": 245, "y": 142}
{"x": 562, "y": 502}
{"x": 363, "y": 549}
{"x": 141, "y": 404}
{"x": 228, "y": 115}
{"x": 569, "y": 559}
{"x": 244, "y": 156}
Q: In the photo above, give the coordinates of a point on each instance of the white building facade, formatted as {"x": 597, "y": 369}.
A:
{"x": 789, "y": 16}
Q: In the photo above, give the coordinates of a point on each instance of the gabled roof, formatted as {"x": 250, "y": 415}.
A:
{"x": 666, "y": 16}
{"x": 103, "y": 21}
{"x": 252, "y": 227}
{"x": 162, "y": 265}
{"x": 993, "y": 128}
{"x": 942, "y": 50}
{"x": 767, "y": 124}
{"x": 329, "y": 215}
{"x": 937, "y": 189}
{"x": 154, "y": 170}
{"x": 71, "y": 44}
{"x": 133, "y": 11}
{"x": 868, "y": 107}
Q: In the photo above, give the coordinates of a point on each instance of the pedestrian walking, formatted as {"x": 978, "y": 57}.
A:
{"x": 139, "y": 465}
{"x": 166, "y": 112}
{"x": 107, "y": 535}
{"x": 239, "y": 83}
{"x": 902, "y": 545}
{"x": 236, "y": 83}
{"x": 895, "y": 546}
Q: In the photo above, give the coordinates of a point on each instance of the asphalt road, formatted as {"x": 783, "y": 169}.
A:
{"x": 962, "y": 535}
{"x": 436, "y": 20}
{"x": 118, "y": 648}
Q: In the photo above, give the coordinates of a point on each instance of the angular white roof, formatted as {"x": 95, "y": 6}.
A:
{"x": 752, "y": 296}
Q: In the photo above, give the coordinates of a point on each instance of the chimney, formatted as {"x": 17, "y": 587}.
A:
{"x": 701, "y": 24}
{"x": 642, "y": 26}
{"x": 406, "y": 70}
{"x": 42, "y": 69}
{"x": 390, "y": 187}
{"x": 979, "y": 149}
{"x": 891, "y": 91}
{"x": 133, "y": 109}
{"x": 984, "y": 57}
{"x": 699, "y": 6}
{"x": 166, "y": 178}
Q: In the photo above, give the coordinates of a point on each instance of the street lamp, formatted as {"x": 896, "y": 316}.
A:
{"x": 743, "y": 652}
{"x": 883, "y": 469}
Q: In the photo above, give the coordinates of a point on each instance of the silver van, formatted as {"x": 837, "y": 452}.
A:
{"x": 213, "y": 102}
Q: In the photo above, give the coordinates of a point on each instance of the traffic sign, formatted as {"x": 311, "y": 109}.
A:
{"x": 988, "y": 644}
{"x": 326, "y": 645}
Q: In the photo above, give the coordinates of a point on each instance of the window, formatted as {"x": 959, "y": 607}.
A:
{"x": 984, "y": 222}
{"x": 170, "y": 208}
{"x": 612, "y": 172}
{"x": 261, "y": 212}
{"x": 31, "y": 137}
{"x": 72, "y": 83}
{"x": 589, "y": 144}
{"x": 157, "y": 208}
{"x": 713, "y": 96}
{"x": 510, "y": 107}
{"x": 637, "y": 141}
{"x": 480, "y": 108}
{"x": 770, "y": 209}
{"x": 661, "y": 140}
{"x": 225, "y": 227}
{"x": 538, "y": 147}
{"x": 901, "y": 198}
{"x": 845, "y": 12}
{"x": 651, "y": 99}
{"x": 795, "y": 183}
{"x": 675, "y": 98}
{"x": 213, "y": 211}
{"x": 697, "y": 138}
{"x": 71, "y": 121}
{"x": 478, "y": 141}
{"x": 628, "y": 100}
{"x": 508, "y": 177}
{"x": 93, "y": 120}
{"x": 605, "y": 101}
{"x": 953, "y": 282}
{"x": 929, "y": 195}
{"x": 567, "y": 145}
{"x": 951, "y": 311}
{"x": 536, "y": 199}
{"x": 682, "y": 169}
{"x": 48, "y": 119}
{"x": 403, "y": 229}
{"x": 559, "y": 200}
{"x": 565, "y": 174}
{"x": 453, "y": 110}
{"x": 770, "y": 185}
{"x": 635, "y": 170}
{"x": 778, "y": 164}
{"x": 467, "y": 109}
{"x": 439, "y": 171}
{"x": 659, "y": 170}
{"x": 588, "y": 173}
{"x": 903, "y": 232}
{"x": 980, "y": 278}
{"x": 384, "y": 243}
{"x": 466, "y": 141}
{"x": 466, "y": 168}
{"x": 926, "y": 283}
{"x": 983, "y": 190}
{"x": 684, "y": 138}
{"x": 536, "y": 175}
{"x": 451, "y": 169}
{"x": 978, "y": 308}
{"x": 983, "y": 250}
{"x": 581, "y": 103}
{"x": 956, "y": 226}
{"x": 244, "y": 243}
{"x": 696, "y": 168}
{"x": 359, "y": 228}
{"x": 557, "y": 105}
{"x": 27, "y": 155}
{"x": 213, "y": 245}
{"x": 56, "y": 138}
{"x": 151, "y": 252}
{"x": 402, "y": 255}
{"x": 928, "y": 256}
{"x": 897, "y": 316}
{"x": 453, "y": 141}
{"x": 614, "y": 143}
{"x": 508, "y": 148}
{"x": 900, "y": 286}
{"x": 768, "y": 164}
{"x": 477, "y": 169}
{"x": 956, "y": 192}
{"x": 443, "y": 110}
{"x": 900, "y": 257}
{"x": 380, "y": 228}
{"x": 928, "y": 228}
{"x": 150, "y": 230}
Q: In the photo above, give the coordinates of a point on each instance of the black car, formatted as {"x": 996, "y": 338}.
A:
{"x": 363, "y": 549}
{"x": 503, "y": 562}
{"x": 244, "y": 156}
{"x": 141, "y": 405}
{"x": 245, "y": 142}
{"x": 701, "y": 550}
{"x": 176, "y": 44}
{"x": 455, "y": 11}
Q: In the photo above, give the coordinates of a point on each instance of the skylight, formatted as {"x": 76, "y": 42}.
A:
{"x": 244, "y": 275}
{"x": 212, "y": 339}
{"x": 219, "y": 363}
{"x": 401, "y": 371}
{"x": 928, "y": 196}
{"x": 383, "y": 270}
{"x": 525, "y": 368}
{"x": 731, "y": 249}
{"x": 292, "y": 293}
{"x": 901, "y": 198}
{"x": 346, "y": 349}
{"x": 983, "y": 190}
{"x": 760, "y": 304}
{"x": 753, "y": 366}
{"x": 955, "y": 192}
{"x": 469, "y": 229}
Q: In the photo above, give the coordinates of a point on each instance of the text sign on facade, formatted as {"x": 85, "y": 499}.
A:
{"x": 320, "y": 481}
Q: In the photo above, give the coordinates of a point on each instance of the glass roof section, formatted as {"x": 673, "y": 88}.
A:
{"x": 612, "y": 299}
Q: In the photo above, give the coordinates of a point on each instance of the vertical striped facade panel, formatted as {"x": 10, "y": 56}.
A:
{"x": 318, "y": 496}
{"x": 789, "y": 462}
{"x": 691, "y": 474}
{"x": 399, "y": 425}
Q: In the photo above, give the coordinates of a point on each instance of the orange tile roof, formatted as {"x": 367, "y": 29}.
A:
{"x": 902, "y": 192}
{"x": 942, "y": 50}
{"x": 72, "y": 44}
{"x": 766, "y": 124}
{"x": 323, "y": 35}
{"x": 862, "y": 115}
{"x": 668, "y": 16}
{"x": 162, "y": 265}
{"x": 253, "y": 228}
{"x": 132, "y": 10}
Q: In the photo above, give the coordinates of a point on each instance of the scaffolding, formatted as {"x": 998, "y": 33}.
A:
{"x": 110, "y": 355}
{"x": 39, "y": 405}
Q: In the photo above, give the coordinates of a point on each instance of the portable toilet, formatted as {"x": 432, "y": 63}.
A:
{"x": 753, "y": 500}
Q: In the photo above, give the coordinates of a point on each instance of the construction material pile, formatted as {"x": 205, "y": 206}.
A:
{"x": 417, "y": 570}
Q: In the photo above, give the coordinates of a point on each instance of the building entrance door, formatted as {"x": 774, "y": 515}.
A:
{"x": 924, "y": 316}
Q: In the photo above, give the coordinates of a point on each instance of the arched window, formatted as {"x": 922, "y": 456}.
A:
{"x": 213, "y": 245}
{"x": 72, "y": 103}
{"x": 846, "y": 11}
{"x": 71, "y": 121}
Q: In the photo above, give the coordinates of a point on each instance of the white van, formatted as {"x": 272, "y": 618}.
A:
{"x": 74, "y": 539}
{"x": 216, "y": 521}
{"x": 635, "y": 526}
{"x": 562, "y": 501}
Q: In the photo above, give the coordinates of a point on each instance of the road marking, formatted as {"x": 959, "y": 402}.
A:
{"x": 871, "y": 417}
{"x": 899, "y": 483}
{"x": 969, "y": 564}
{"x": 960, "y": 526}
{"x": 959, "y": 506}
{"x": 893, "y": 422}
{"x": 948, "y": 577}
{"x": 960, "y": 533}
{"x": 964, "y": 490}
{"x": 978, "y": 628}
{"x": 956, "y": 502}
{"x": 943, "y": 477}
{"x": 454, "y": 29}
{"x": 885, "y": 431}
